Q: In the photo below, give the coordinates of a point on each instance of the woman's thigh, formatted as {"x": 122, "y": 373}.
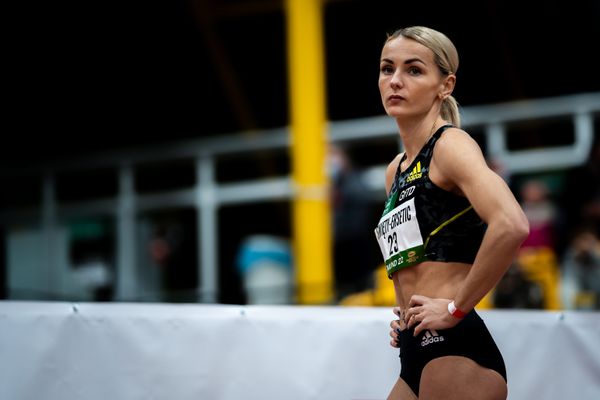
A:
{"x": 454, "y": 377}
{"x": 401, "y": 391}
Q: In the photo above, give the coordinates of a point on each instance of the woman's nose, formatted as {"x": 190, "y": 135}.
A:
{"x": 396, "y": 81}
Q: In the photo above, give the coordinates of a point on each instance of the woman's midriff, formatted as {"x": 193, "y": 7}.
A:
{"x": 433, "y": 279}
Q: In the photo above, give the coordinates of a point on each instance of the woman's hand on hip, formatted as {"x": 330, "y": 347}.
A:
{"x": 427, "y": 313}
{"x": 396, "y": 326}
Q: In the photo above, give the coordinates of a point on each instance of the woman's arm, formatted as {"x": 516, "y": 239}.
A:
{"x": 461, "y": 161}
{"x": 459, "y": 165}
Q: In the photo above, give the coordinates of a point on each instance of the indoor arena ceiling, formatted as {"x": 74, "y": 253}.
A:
{"x": 88, "y": 76}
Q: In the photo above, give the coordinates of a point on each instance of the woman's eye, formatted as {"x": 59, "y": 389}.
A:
{"x": 414, "y": 71}
{"x": 386, "y": 69}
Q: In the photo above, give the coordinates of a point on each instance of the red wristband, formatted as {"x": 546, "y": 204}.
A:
{"x": 455, "y": 312}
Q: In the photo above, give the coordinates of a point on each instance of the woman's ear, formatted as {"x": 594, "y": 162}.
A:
{"x": 447, "y": 86}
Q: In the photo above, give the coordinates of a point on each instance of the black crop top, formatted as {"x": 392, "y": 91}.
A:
{"x": 422, "y": 221}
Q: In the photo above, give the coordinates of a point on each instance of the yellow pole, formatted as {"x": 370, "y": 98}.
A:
{"x": 311, "y": 213}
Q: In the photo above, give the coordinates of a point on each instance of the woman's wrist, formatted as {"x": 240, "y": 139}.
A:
{"x": 455, "y": 311}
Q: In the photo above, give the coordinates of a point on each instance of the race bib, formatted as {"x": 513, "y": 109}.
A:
{"x": 399, "y": 237}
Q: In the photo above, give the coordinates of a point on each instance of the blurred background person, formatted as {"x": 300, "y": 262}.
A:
{"x": 516, "y": 290}
{"x": 581, "y": 270}
{"x": 537, "y": 260}
{"x": 172, "y": 249}
{"x": 580, "y": 198}
{"x": 541, "y": 213}
{"x": 354, "y": 262}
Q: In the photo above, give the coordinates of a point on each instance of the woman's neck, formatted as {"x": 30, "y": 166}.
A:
{"x": 414, "y": 135}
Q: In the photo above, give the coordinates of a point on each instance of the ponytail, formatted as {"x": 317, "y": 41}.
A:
{"x": 450, "y": 111}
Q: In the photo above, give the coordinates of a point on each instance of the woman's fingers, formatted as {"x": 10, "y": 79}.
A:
{"x": 417, "y": 300}
{"x": 396, "y": 327}
{"x": 413, "y": 312}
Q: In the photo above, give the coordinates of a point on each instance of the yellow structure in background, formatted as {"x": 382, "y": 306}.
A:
{"x": 382, "y": 294}
{"x": 487, "y": 303}
{"x": 311, "y": 210}
{"x": 541, "y": 265}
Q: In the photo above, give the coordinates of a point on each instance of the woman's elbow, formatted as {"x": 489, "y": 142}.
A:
{"x": 520, "y": 228}
{"x": 513, "y": 227}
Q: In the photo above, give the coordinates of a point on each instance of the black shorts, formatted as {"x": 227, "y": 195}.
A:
{"x": 469, "y": 338}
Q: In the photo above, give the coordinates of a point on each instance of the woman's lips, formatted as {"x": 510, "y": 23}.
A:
{"x": 395, "y": 98}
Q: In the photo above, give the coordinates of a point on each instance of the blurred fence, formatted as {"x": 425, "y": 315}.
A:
{"x": 500, "y": 129}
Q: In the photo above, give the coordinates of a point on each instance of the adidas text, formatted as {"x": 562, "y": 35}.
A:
{"x": 431, "y": 336}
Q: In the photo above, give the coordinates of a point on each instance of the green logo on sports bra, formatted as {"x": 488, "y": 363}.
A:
{"x": 389, "y": 204}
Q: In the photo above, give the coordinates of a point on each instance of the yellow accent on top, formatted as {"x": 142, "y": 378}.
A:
{"x": 439, "y": 228}
{"x": 415, "y": 173}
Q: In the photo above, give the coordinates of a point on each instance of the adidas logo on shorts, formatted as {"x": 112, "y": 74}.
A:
{"x": 431, "y": 336}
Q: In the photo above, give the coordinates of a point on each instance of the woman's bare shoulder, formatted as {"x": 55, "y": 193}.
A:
{"x": 457, "y": 147}
{"x": 390, "y": 172}
{"x": 393, "y": 165}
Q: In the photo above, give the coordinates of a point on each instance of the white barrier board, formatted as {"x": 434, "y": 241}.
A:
{"x": 116, "y": 351}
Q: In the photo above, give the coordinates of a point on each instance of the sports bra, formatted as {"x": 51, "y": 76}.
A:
{"x": 423, "y": 222}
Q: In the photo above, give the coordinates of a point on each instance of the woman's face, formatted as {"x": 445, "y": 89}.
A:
{"x": 409, "y": 80}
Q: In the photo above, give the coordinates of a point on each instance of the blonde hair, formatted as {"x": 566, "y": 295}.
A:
{"x": 445, "y": 56}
